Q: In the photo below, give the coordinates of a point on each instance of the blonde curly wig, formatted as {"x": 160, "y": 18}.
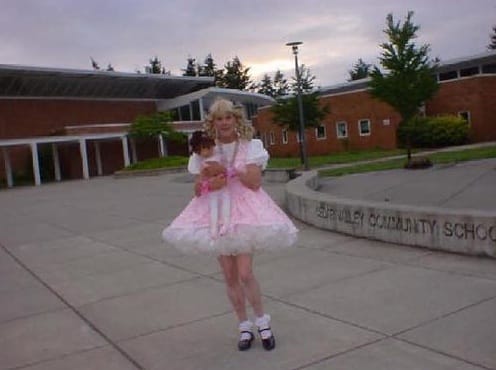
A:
{"x": 220, "y": 108}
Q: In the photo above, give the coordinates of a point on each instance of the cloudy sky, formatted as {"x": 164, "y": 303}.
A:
{"x": 127, "y": 33}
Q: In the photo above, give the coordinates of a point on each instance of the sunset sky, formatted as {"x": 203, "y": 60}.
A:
{"x": 335, "y": 33}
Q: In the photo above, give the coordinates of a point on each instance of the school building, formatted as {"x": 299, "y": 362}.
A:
{"x": 60, "y": 124}
{"x": 467, "y": 88}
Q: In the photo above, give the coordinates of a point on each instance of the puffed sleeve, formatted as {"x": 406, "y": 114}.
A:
{"x": 194, "y": 164}
{"x": 257, "y": 153}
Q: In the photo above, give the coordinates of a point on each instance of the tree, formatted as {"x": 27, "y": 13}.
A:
{"x": 110, "y": 68}
{"x": 155, "y": 67}
{"x": 408, "y": 80}
{"x": 191, "y": 68}
{"x": 94, "y": 64}
{"x": 154, "y": 126}
{"x": 280, "y": 84}
{"x": 286, "y": 111}
{"x": 274, "y": 87}
{"x": 266, "y": 86}
{"x": 492, "y": 45}
{"x": 234, "y": 76}
{"x": 306, "y": 81}
{"x": 208, "y": 68}
{"x": 359, "y": 70}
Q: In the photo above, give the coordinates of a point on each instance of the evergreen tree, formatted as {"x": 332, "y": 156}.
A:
{"x": 275, "y": 87}
{"x": 360, "y": 70}
{"x": 306, "y": 80}
{"x": 408, "y": 80}
{"x": 155, "y": 67}
{"x": 208, "y": 68}
{"x": 286, "y": 111}
{"x": 266, "y": 86}
{"x": 234, "y": 76}
{"x": 492, "y": 45}
{"x": 191, "y": 68}
{"x": 280, "y": 84}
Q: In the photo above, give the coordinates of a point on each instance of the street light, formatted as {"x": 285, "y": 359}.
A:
{"x": 303, "y": 144}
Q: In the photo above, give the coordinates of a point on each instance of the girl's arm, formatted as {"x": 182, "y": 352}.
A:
{"x": 251, "y": 177}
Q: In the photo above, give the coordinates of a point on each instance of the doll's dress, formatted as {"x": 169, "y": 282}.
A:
{"x": 257, "y": 222}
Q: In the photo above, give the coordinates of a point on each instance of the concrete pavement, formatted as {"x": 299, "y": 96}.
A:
{"x": 464, "y": 185}
{"x": 87, "y": 283}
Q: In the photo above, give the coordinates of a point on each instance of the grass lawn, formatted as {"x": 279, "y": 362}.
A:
{"x": 339, "y": 158}
{"x": 150, "y": 164}
{"x": 335, "y": 158}
{"x": 436, "y": 158}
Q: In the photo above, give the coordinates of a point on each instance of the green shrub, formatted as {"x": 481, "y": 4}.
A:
{"x": 155, "y": 124}
{"x": 433, "y": 132}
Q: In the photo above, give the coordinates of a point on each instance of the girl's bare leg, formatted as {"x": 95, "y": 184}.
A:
{"x": 235, "y": 291}
{"x": 244, "y": 262}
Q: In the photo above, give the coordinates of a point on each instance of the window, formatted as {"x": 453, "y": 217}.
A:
{"x": 489, "y": 68}
{"x": 469, "y": 71}
{"x": 264, "y": 139}
{"x": 320, "y": 132}
{"x": 450, "y": 75}
{"x": 341, "y": 130}
{"x": 298, "y": 136}
{"x": 272, "y": 138}
{"x": 284, "y": 135}
{"x": 364, "y": 127}
{"x": 465, "y": 115}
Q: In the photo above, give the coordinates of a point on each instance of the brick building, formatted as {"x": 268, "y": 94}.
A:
{"x": 76, "y": 121}
{"x": 358, "y": 121}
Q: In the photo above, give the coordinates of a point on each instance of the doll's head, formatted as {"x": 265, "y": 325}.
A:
{"x": 223, "y": 107}
{"x": 202, "y": 144}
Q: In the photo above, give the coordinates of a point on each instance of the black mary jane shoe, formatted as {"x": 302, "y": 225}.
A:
{"x": 269, "y": 343}
{"x": 245, "y": 344}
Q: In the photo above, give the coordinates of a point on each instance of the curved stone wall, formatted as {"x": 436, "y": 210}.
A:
{"x": 459, "y": 231}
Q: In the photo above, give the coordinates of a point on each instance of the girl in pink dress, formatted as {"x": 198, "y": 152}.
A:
{"x": 256, "y": 223}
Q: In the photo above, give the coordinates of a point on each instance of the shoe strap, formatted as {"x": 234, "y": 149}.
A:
{"x": 244, "y": 334}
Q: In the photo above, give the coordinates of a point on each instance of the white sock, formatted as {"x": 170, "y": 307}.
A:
{"x": 262, "y": 323}
{"x": 246, "y": 325}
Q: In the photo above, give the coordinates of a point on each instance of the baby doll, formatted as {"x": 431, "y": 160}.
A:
{"x": 204, "y": 146}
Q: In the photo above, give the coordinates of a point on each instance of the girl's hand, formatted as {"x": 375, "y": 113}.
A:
{"x": 251, "y": 177}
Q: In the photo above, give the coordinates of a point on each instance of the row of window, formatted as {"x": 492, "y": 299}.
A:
{"x": 469, "y": 71}
{"x": 364, "y": 129}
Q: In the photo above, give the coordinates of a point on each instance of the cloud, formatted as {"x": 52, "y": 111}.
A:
{"x": 127, "y": 33}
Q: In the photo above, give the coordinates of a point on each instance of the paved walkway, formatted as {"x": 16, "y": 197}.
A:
{"x": 465, "y": 185}
{"x": 86, "y": 283}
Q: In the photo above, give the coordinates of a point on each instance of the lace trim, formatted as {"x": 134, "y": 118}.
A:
{"x": 240, "y": 239}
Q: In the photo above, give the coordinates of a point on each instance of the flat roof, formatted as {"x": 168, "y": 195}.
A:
{"x": 488, "y": 57}
{"x": 211, "y": 93}
{"x": 29, "y": 81}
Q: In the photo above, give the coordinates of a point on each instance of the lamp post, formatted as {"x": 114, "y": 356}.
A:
{"x": 303, "y": 144}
